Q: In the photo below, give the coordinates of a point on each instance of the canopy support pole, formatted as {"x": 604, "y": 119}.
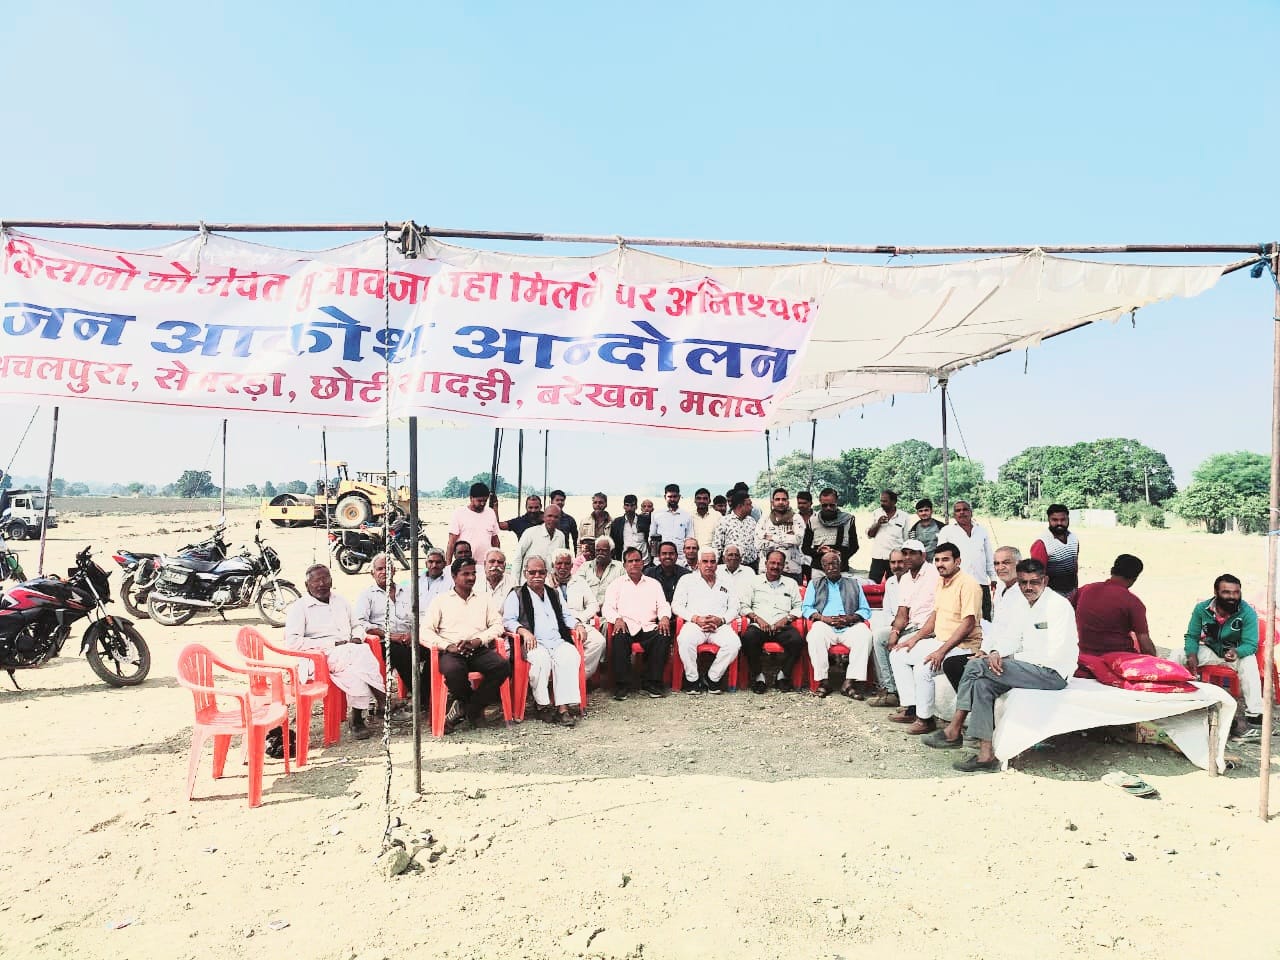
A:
{"x": 520, "y": 469}
{"x": 415, "y": 679}
{"x": 768, "y": 459}
{"x": 328, "y": 514}
{"x": 546, "y": 445}
{"x": 48, "y": 494}
{"x": 222, "y": 499}
{"x": 813, "y": 442}
{"x": 1273, "y": 528}
{"x": 946, "y": 457}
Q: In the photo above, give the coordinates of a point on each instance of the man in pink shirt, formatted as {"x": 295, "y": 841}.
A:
{"x": 475, "y": 523}
{"x": 637, "y": 611}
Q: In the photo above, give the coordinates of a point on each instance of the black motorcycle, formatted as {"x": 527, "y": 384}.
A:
{"x": 142, "y": 569}
{"x": 186, "y": 586}
{"x": 10, "y": 565}
{"x": 36, "y": 618}
{"x": 353, "y": 549}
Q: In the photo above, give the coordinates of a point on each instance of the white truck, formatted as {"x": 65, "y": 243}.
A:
{"x": 22, "y": 513}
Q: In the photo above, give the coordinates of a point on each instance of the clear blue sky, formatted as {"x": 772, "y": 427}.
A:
{"x": 831, "y": 122}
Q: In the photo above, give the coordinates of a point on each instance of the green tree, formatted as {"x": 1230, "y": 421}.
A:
{"x": 296, "y": 486}
{"x": 250, "y": 490}
{"x": 855, "y": 464}
{"x": 902, "y": 467}
{"x": 269, "y": 490}
{"x": 194, "y": 483}
{"x": 964, "y": 481}
{"x": 77, "y": 490}
{"x": 1003, "y": 499}
{"x": 1247, "y": 474}
{"x": 1209, "y": 502}
{"x": 134, "y": 489}
{"x": 59, "y": 487}
{"x": 792, "y": 472}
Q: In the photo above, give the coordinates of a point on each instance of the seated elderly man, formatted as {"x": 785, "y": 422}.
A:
{"x": 1035, "y": 649}
{"x": 638, "y": 612}
{"x": 435, "y": 579}
{"x": 882, "y": 621}
{"x": 838, "y": 613}
{"x": 953, "y": 630}
{"x": 578, "y": 599}
{"x": 497, "y": 583}
{"x": 463, "y": 625}
{"x": 732, "y": 571}
{"x": 1224, "y": 630}
{"x": 772, "y": 606}
{"x": 601, "y": 572}
{"x": 708, "y": 605}
{"x": 323, "y": 622}
{"x": 540, "y": 622}
{"x": 371, "y": 615}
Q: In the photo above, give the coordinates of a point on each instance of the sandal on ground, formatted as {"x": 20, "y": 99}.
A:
{"x": 824, "y": 689}
{"x": 1134, "y": 786}
{"x": 922, "y": 726}
{"x": 847, "y": 689}
{"x": 902, "y": 716}
{"x": 939, "y": 739}
{"x": 972, "y": 764}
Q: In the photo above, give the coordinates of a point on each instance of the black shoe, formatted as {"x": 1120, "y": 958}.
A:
{"x": 693, "y": 687}
{"x": 718, "y": 686}
{"x": 358, "y": 728}
{"x": 785, "y": 685}
{"x": 620, "y": 691}
{"x": 454, "y": 716}
{"x": 1253, "y": 719}
{"x": 654, "y": 691}
{"x": 759, "y": 686}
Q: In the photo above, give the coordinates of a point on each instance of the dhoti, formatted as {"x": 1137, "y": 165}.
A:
{"x": 353, "y": 667}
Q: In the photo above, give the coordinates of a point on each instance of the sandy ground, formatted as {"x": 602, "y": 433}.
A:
{"x": 730, "y": 826}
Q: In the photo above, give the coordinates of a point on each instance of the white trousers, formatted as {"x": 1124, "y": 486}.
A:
{"x": 557, "y": 668}
{"x": 822, "y": 636}
{"x": 914, "y": 678}
{"x": 1246, "y": 669}
{"x": 687, "y": 643}
{"x": 593, "y": 650}
{"x": 353, "y": 667}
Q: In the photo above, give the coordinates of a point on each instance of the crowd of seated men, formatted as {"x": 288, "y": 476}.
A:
{"x": 662, "y": 599}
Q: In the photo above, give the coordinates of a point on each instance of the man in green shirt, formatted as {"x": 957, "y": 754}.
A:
{"x": 1224, "y": 630}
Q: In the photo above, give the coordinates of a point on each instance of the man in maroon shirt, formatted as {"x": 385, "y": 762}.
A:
{"x": 1108, "y": 616}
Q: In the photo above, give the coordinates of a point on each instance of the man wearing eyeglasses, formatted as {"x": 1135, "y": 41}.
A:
{"x": 1038, "y": 650}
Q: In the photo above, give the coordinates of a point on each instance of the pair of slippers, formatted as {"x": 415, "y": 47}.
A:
{"x": 1134, "y": 786}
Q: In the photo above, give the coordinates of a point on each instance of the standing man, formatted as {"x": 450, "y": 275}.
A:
{"x": 738, "y": 529}
{"x": 497, "y": 583}
{"x": 671, "y": 524}
{"x": 917, "y": 591}
{"x": 1059, "y": 550}
{"x": 629, "y": 530}
{"x": 435, "y": 579}
{"x": 804, "y": 510}
{"x": 531, "y": 517}
{"x": 1224, "y": 630}
{"x": 953, "y": 631}
{"x": 547, "y": 631}
{"x": 782, "y": 530}
{"x": 925, "y": 528}
{"x": 975, "y": 546}
{"x": 464, "y": 626}
{"x": 740, "y": 578}
{"x": 371, "y": 617}
{"x": 887, "y": 531}
{"x": 639, "y": 613}
{"x": 705, "y": 520}
{"x": 567, "y": 525}
{"x": 707, "y": 605}
{"x": 1037, "y": 651}
{"x": 599, "y": 521}
{"x": 690, "y": 550}
{"x": 831, "y": 527}
{"x": 577, "y": 598}
{"x": 323, "y": 622}
{"x": 771, "y": 606}
{"x": 542, "y": 539}
{"x": 720, "y": 504}
{"x": 1109, "y": 616}
{"x": 667, "y": 572}
{"x": 474, "y": 523}
{"x": 838, "y": 613}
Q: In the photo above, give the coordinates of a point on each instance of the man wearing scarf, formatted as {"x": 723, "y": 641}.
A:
{"x": 830, "y": 527}
{"x": 1224, "y": 630}
{"x": 782, "y": 530}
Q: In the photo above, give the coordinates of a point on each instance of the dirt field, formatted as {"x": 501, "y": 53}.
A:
{"x": 741, "y": 826}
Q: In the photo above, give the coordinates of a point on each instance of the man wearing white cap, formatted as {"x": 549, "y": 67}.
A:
{"x": 917, "y": 588}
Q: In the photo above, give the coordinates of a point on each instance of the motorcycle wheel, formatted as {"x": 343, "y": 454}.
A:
{"x": 168, "y": 613}
{"x": 348, "y": 561}
{"x": 125, "y": 639}
{"x": 274, "y": 601}
{"x": 126, "y": 598}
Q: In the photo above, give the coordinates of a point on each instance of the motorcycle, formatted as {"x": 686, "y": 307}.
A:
{"x": 36, "y": 618}
{"x": 186, "y": 586}
{"x": 10, "y": 565}
{"x": 142, "y": 569}
{"x": 352, "y": 549}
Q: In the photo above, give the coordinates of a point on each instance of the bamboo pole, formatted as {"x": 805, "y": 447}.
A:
{"x": 946, "y": 466}
{"x": 222, "y": 498}
{"x": 415, "y": 680}
{"x": 1273, "y": 528}
{"x": 328, "y": 512}
{"x": 48, "y": 494}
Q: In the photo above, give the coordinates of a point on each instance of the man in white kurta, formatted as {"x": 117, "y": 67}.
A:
{"x": 371, "y": 618}
{"x": 324, "y": 622}
{"x": 838, "y": 612}
{"x": 496, "y": 582}
{"x": 917, "y": 589}
{"x": 577, "y": 597}
{"x": 708, "y": 605}
{"x": 742, "y": 579}
{"x": 977, "y": 558}
{"x": 540, "y": 541}
{"x": 546, "y": 630}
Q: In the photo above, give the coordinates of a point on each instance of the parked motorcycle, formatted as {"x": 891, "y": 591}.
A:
{"x": 185, "y": 586}
{"x": 353, "y": 549}
{"x": 36, "y": 618}
{"x": 142, "y": 569}
{"x": 10, "y": 565}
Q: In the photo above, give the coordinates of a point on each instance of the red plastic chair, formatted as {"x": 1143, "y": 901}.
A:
{"x": 253, "y": 646}
{"x": 252, "y": 718}
{"x": 521, "y": 667}
{"x": 440, "y": 694}
{"x": 375, "y": 644}
{"x": 1267, "y": 635}
{"x": 1222, "y": 676}
{"x": 677, "y": 665}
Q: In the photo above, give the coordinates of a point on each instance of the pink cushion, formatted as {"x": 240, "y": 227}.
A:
{"x": 1141, "y": 668}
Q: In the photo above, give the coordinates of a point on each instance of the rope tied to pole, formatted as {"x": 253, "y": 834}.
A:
{"x": 386, "y": 538}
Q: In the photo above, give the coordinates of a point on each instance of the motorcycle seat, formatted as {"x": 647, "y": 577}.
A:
{"x": 192, "y": 564}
